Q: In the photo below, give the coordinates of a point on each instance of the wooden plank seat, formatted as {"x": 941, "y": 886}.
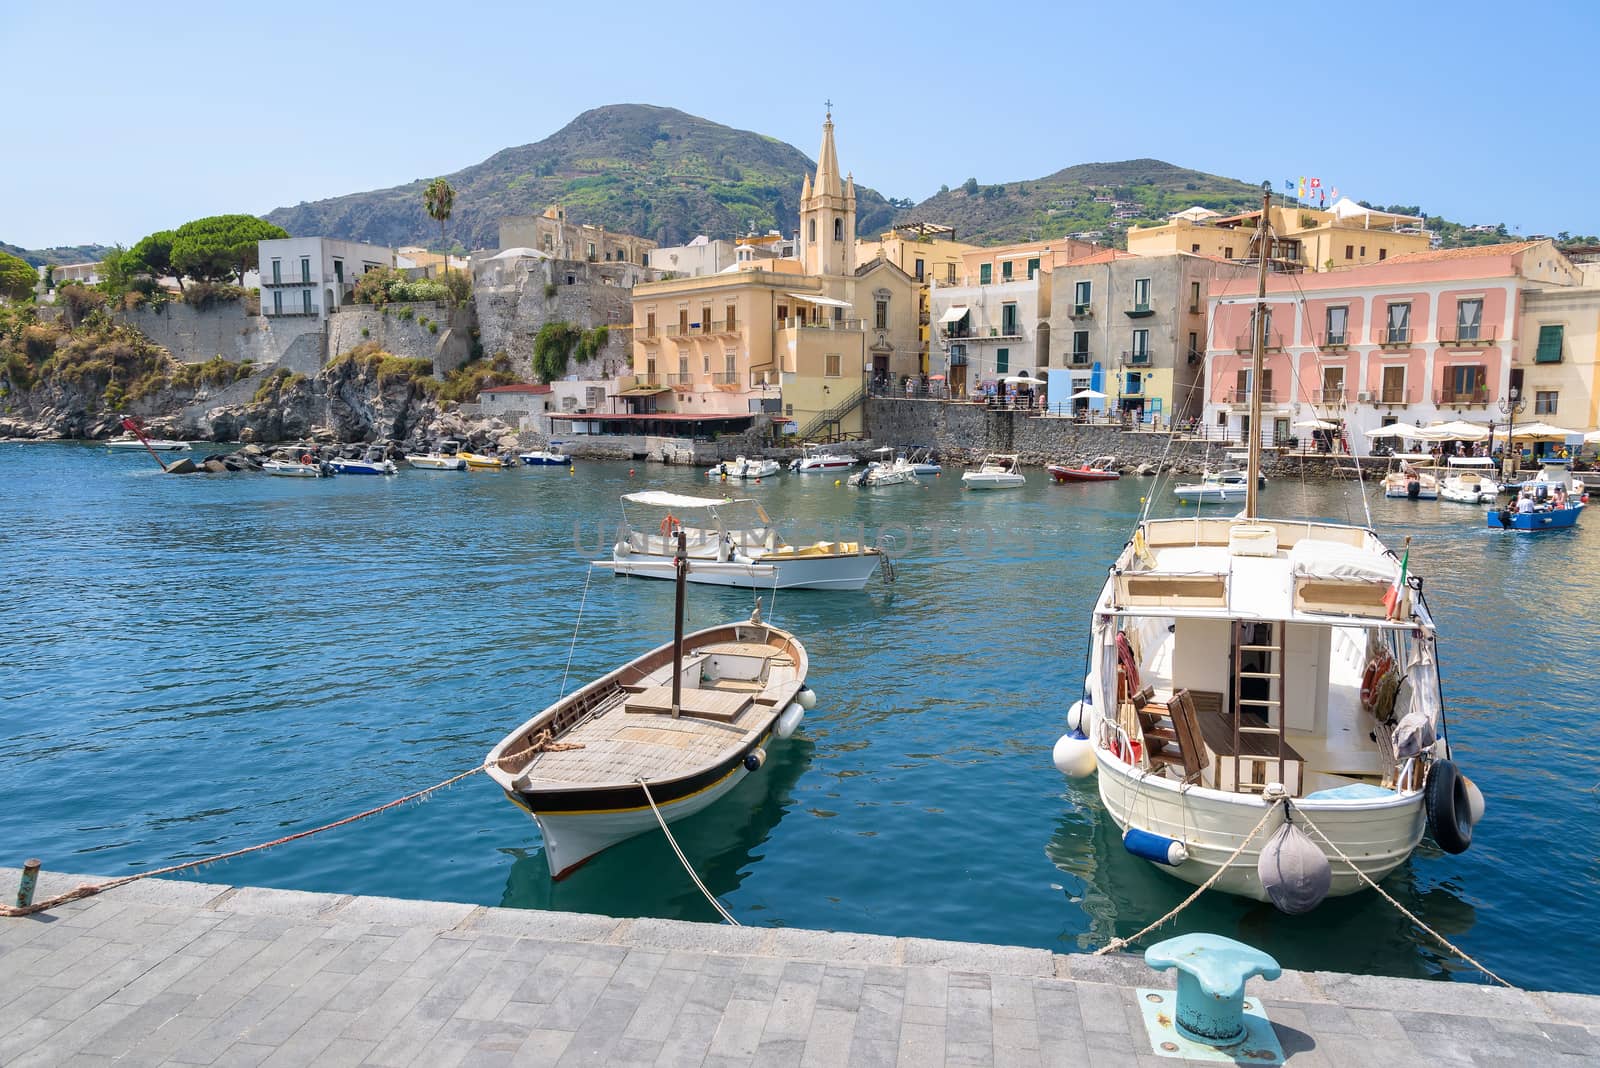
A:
{"x": 720, "y": 705}
{"x": 1174, "y": 723}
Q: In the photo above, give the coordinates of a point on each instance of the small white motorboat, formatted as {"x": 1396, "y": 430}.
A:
{"x": 1467, "y": 480}
{"x": 997, "y": 471}
{"x": 744, "y": 467}
{"x": 301, "y": 468}
{"x": 1409, "y": 481}
{"x": 887, "y": 470}
{"x": 658, "y": 739}
{"x": 1228, "y": 483}
{"x": 817, "y": 459}
{"x": 154, "y": 444}
{"x": 551, "y": 457}
{"x": 443, "y": 457}
{"x": 373, "y": 462}
{"x": 924, "y": 461}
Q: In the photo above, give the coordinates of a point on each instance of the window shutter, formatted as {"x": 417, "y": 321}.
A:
{"x": 1549, "y": 345}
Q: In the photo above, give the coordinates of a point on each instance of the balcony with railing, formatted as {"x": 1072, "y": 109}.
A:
{"x": 725, "y": 378}
{"x": 1080, "y": 311}
{"x": 796, "y": 323}
{"x": 1333, "y": 340}
{"x": 1451, "y": 397}
{"x": 283, "y": 279}
{"x": 1136, "y": 358}
{"x": 1240, "y": 398}
{"x": 1246, "y": 343}
{"x": 1080, "y": 358}
{"x": 1395, "y": 337}
{"x": 1463, "y": 336}
{"x": 647, "y": 378}
{"x": 1394, "y": 398}
{"x": 1139, "y": 311}
{"x": 681, "y": 382}
{"x": 1336, "y": 397}
{"x": 956, "y": 333}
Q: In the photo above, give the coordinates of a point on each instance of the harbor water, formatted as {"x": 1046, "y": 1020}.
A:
{"x": 192, "y": 665}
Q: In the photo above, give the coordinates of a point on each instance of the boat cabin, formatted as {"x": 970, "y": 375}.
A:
{"x": 1241, "y": 653}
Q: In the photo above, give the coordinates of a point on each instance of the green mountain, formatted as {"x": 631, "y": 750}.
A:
{"x": 1079, "y": 199}
{"x": 651, "y": 171}
{"x": 60, "y": 255}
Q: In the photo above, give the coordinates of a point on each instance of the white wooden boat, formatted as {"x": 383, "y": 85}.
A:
{"x": 997, "y": 471}
{"x": 1467, "y": 480}
{"x": 744, "y": 467}
{"x": 817, "y": 459}
{"x": 1245, "y": 672}
{"x": 293, "y": 469}
{"x": 678, "y": 727}
{"x": 1408, "y": 480}
{"x": 887, "y": 470}
{"x": 732, "y": 543}
{"x": 154, "y": 444}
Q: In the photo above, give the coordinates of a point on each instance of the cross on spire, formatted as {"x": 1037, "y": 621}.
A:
{"x": 829, "y": 105}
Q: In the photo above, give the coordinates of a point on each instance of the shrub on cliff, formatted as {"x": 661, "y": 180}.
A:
{"x": 17, "y": 277}
{"x": 203, "y": 295}
{"x": 388, "y": 368}
{"x": 388, "y": 286}
{"x": 556, "y": 344}
{"x": 77, "y": 301}
{"x": 464, "y": 383}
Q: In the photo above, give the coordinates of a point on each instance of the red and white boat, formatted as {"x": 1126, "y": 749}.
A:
{"x": 1100, "y": 469}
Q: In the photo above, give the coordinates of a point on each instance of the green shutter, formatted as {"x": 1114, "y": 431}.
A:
{"x": 1002, "y": 361}
{"x": 1549, "y": 345}
{"x": 985, "y": 274}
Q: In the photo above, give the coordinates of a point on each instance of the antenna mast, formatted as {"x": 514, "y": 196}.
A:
{"x": 1257, "y": 354}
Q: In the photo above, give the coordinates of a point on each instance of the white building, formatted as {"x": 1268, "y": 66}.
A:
{"x": 314, "y": 275}
{"x": 987, "y": 332}
{"x": 698, "y": 257}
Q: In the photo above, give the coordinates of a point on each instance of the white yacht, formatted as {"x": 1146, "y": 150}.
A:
{"x": 1467, "y": 480}
{"x": 997, "y": 471}
{"x": 817, "y": 458}
{"x": 732, "y": 543}
{"x": 743, "y": 467}
{"x": 1251, "y": 679}
{"x": 887, "y": 470}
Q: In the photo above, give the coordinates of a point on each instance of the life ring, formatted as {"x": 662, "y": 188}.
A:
{"x": 669, "y": 525}
{"x": 1377, "y": 668}
{"x": 305, "y": 457}
{"x": 1449, "y": 809}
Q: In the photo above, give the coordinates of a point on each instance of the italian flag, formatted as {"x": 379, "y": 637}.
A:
{"x": 1391, "y": 600}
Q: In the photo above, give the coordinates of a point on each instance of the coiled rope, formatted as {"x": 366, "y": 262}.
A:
{"x": 542, "y": 743}
{"x": 673, "y": 842}
{"x": 1119, "y": 943}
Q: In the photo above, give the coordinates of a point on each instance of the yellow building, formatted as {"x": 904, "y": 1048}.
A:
{"x": 794, "y": 337}
{"x": 927, "y": 252}
{"x": 1310, "y": 239}
{"x": 1559, "y": 353}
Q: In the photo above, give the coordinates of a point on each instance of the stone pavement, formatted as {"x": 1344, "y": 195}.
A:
{"x": 188, "y": 973}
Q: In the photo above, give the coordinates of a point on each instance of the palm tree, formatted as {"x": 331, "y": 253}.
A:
{"x": 439, "y": 199}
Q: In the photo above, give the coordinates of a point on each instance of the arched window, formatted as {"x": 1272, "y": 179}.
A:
{"x": 838, "y": 229}
{"x": 811, "y": 231}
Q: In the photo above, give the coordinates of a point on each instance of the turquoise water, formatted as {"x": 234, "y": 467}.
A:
{"x": 194, "y": 665}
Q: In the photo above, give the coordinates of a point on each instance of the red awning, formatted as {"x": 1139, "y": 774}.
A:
{"x": 672, "y": 417}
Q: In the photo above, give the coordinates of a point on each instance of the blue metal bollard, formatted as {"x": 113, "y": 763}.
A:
{"x": 30, "y": 878}
{"x": 1211, "y": 974}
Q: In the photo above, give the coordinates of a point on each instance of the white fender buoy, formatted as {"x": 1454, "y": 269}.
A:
{"x": 790, "y": 720}
{"x": 1475, "y": 803}
{"x": 1074, "y": 756}
{"x": 806, "y": 698}
{"x": 1075, "y": 718}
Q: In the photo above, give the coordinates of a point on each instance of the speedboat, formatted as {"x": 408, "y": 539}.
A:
{"x": 551, "y": 457}
{"x": 1227, "y": 483}
{"x": 446, "y": 456}
{"x": 1539, "y": 506}
{"x": 997, "y": 471}
{"x": 154, "y": 444}
{"x": 925, "y": 461}
{"x": 1409, "y": 480}
{"x": 1100, "y": 469}
{"x": 816, "y": 459}
{"x": 1262, "y": 706}
{"x": 1467, "y": 480}
{"x": 885, "y": 471}
{"x": 733, "y": 543}
{"x": 486, "y": 461}
{"x": 743, "y": 467}
{"x": 302, "y": 468}
{"x": 373, "y": 462}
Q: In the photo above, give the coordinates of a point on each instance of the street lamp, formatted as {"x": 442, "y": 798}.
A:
{"x": 1512, "y": 405}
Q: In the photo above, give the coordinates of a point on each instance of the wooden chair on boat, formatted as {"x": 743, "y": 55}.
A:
{"x": 1177, "y": 723}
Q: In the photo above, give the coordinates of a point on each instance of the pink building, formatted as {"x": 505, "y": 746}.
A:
{"x": 1419, "y": 338}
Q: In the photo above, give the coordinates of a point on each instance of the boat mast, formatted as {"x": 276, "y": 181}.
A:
{"x": 681, "y": 566}
{"x": 1257, "y": 352}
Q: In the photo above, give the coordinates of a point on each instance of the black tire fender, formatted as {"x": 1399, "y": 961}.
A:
{"x": 1448, "y": 810}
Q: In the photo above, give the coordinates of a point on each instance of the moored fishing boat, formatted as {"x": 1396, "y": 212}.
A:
{"x": 1252, "y": 682}
{"x": 374, "y": 461}
{"x": 1538, "y": 506}
{"x": 1100, "y": 469}
{"x": 443, "y": 457}
{"x": 1409, "y": 480}
{"x": 669, "y": 732}
{"x": 486, "y": 461}
{"x": 887, "y": 470}
{"x": 733, "y": 543}
{"x": 925, "y": 461}
{"x": 1467, "y": 480}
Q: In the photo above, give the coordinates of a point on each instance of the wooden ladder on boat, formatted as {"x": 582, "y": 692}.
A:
{"x": 1246, "y": 640}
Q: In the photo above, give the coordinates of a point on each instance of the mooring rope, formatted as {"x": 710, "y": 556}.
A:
{"x": 1407, "y": 913}
{"x": 673, "y": 842}
{"x": 577, "y": 623}
{"x": 541, "y": 743}
{"x": 1119, "y": 943}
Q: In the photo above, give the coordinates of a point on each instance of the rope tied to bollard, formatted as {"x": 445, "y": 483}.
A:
{"x": 673, "y": 842}
{"x": 541, "y": 743}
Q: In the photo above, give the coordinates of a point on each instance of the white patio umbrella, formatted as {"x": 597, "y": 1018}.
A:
{"x": 1592, "y": 437}
{"x": 1456, "y": 430}
{"x": 1022, "y": 380}
{"x": 1541, "y": 432}
{"x": 1316, "y": 424}
{"x": 1087, "y": 394}
{"x": 1402, "y": 431}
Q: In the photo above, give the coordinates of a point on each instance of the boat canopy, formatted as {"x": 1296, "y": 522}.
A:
{"x": 1470, "y": 461}
{"x": 663, "y": 499}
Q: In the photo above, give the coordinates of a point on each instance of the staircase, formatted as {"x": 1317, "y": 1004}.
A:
{"x": 829, "y": 420}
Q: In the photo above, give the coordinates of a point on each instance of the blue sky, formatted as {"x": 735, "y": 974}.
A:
{"x": 136, "y": 118}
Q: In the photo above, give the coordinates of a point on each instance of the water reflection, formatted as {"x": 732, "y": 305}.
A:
{"x": 722, "y": 842}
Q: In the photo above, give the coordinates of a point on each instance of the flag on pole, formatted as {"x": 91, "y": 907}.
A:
{"x": 1288, "y": 185}
{"x": 1302, "y": 185}
{"x": 1391, "y": 600}
{"x": 1334, "y": 192}
{"x": 1316, "y": 183}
